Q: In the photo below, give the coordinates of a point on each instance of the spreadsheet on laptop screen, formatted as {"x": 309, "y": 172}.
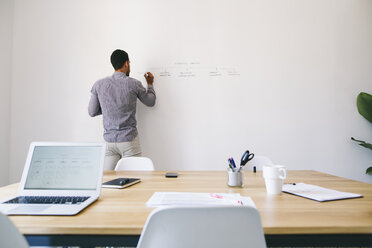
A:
{"x": 64, "y": 168}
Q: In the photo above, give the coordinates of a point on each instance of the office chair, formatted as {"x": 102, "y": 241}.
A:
{"x": 203, "y": 227}
{"x": 9, "y": 234}
{"x": 259, "y": 162}
{"x": 134, "y": 163}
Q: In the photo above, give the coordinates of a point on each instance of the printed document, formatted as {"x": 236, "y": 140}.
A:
{"x": 197, "y": 199}
{"x": 317, "y": 193}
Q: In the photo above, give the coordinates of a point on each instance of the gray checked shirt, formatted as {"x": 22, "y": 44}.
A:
{"x": 115, "y": 97}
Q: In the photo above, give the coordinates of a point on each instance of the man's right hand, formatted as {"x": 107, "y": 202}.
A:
{"x": 149, "y": 78}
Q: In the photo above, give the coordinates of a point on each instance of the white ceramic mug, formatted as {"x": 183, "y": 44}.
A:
{"x": 234, "y": 179}
{"x": 274, "y": 176}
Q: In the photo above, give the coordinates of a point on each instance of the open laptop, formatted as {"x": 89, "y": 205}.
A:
{"x": 58, "y": 179}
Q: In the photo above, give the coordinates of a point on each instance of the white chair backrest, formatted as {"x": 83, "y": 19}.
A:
{"x": 259, "y": 162}
{"x": 203, "y": 227}
{"x": 9, "y": 234}
{"x": 134, "y": 163}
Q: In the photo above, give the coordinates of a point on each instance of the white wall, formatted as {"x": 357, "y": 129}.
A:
{"x": 6, "y": 31}
{"x": 299, "y": 67}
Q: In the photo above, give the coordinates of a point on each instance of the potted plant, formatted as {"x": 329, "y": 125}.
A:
{"x": 364, "y": 104}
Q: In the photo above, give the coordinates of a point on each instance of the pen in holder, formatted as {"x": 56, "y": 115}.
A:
{"x": 234, "y": 178}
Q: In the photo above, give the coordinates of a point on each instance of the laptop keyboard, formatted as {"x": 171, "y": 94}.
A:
{"x": 48, "y": 199}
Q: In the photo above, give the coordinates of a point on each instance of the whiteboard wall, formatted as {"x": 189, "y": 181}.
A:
{"x": 279, "y": 78}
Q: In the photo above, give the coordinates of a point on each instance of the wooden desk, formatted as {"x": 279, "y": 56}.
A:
{"x": 119, "y": 215}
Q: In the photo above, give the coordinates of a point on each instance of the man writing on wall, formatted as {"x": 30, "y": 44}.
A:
{"x": 115, "y": 97}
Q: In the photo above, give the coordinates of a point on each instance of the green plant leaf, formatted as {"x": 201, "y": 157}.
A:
{"x": 363, "y": 143}
{"x": 364, "y": 104}
{"x": 369, "y": 170}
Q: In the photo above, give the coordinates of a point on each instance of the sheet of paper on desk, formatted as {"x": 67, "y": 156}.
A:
{"x": 317, "y": 193}
{"x": 159, "y": 199}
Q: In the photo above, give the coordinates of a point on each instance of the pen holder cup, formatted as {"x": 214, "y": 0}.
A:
{"x": 234, "y": 178}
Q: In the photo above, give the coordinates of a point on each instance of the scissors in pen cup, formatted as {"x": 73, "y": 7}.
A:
{"x": 247, "y": 156}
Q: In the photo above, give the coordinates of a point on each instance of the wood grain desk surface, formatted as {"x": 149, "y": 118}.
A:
{"x": 124, "y": 211}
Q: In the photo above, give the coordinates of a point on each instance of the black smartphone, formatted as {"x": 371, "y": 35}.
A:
{"x": 171, "y": 174}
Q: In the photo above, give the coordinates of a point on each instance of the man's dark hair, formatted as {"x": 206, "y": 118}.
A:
{"x": 118, "y": 58}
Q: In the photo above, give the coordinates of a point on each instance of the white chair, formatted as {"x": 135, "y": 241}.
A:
{"x": 134, "y": 163}
{"x": 259, "y": 162}
{"x": 9, "y": 234}
{"x": 203, "y": 227}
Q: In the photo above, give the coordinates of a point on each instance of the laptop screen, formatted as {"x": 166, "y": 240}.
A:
{"x": 64, "y": 168}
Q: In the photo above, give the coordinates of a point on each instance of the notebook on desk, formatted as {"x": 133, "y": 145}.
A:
{"x": 58, "y": 179}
